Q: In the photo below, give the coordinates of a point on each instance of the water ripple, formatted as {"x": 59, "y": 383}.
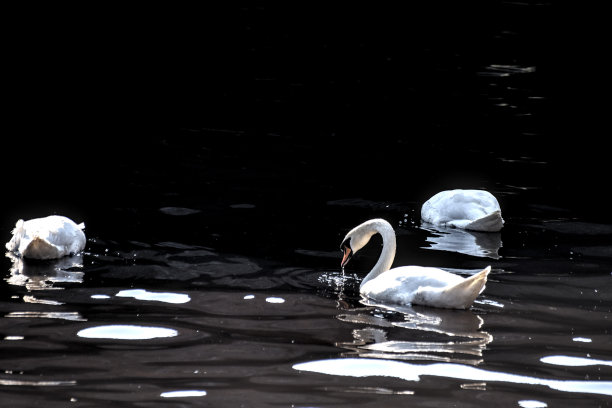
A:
{"x": 364, "y": 367}
{"x": 74, "y": 316}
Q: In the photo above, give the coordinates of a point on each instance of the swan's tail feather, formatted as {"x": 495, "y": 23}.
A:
{"x": 81, "y": 226}
{"x": 482, "y": 277}
{"x": 18, "y": 227}
{"x": 18, "y": 232}
{"x": 492, "y": 222}
{"x": 470, "y": 288}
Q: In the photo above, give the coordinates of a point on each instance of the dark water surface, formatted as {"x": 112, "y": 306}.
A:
{"x": 217, "y": 167}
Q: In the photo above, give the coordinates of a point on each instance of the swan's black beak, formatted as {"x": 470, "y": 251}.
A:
{"x": 347, "y": 253}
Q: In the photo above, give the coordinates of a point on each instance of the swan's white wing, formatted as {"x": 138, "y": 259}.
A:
{"x": 425, "y": 286}
{"x": 66, "y": 234}
{"x": 400, "y": 285}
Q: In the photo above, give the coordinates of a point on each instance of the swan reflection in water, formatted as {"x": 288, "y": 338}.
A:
{"x": 474, "y": 243}
{"x": 408, "y": 332}
{"x": 435, "y": 334}
{"x": 39, "y": 275}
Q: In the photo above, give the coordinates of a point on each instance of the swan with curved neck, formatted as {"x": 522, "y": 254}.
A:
{"x": 409, "y": 284}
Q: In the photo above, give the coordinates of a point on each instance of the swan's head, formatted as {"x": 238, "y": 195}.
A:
{"x": 357, "y": 238}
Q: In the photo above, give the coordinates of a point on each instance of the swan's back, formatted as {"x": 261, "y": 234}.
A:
{"x": 425, "y": 286}
{"x": 477, "y": 210}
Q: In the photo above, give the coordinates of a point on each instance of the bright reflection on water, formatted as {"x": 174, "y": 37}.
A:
{"x": 481, "y": 244}
{"x": 574, "y": 361}
{"x": 126, "y": 332}
{"x": 37, "y": 275}
{"x": 13, "y": 338}
{"x": 13, "y": 383}
{"x": 183, "y": 394}
{"x": 74, "y": 316}
{"x": 167, "y": 297}
{"x": 532, "y": 404}
{"x": 365, "y": 367}
{"x": 453, "y": 335}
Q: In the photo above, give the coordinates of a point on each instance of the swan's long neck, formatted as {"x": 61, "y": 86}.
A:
{"x": 388, "y": 252}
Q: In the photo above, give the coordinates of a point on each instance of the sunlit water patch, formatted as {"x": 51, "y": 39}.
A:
{"x": 126, "y": 332}
{"x": 570, "y": 361}
{"x": 532, "y": 404}
{"x": 13, "y": 338}
{"x": 167, "y": 297}
{"x": 36, "y": 383}
{"x": 74, "y": 316}
{"x": 364, "y": 367}
{"x": 183, "y": 394}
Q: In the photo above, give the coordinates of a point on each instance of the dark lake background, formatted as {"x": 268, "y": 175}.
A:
{"x": 431, "y": 92}
{"x": 245, "y": 140}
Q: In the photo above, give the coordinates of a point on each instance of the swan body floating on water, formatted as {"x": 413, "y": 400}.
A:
{"x": 476, "y": 210}
{"x": 50, "y": 237}
{"x": 409, "y": 284}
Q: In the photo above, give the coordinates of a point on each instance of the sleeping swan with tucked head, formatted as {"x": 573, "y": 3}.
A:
{"x": 409, "y": 284}
{"x": 475, "y": 210}
{"x": 50, "y": 237}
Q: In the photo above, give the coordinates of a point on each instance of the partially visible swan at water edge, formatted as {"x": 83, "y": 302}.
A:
{"x": 476, "y": 210}
{"x": 50, "y": 237}
{"x": 409, "y": 284}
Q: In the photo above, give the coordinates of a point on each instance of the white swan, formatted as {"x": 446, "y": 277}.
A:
{"x": 476, "y": 210}
{"x": 47, "y": 238}
{"x": 409, "y": 284}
